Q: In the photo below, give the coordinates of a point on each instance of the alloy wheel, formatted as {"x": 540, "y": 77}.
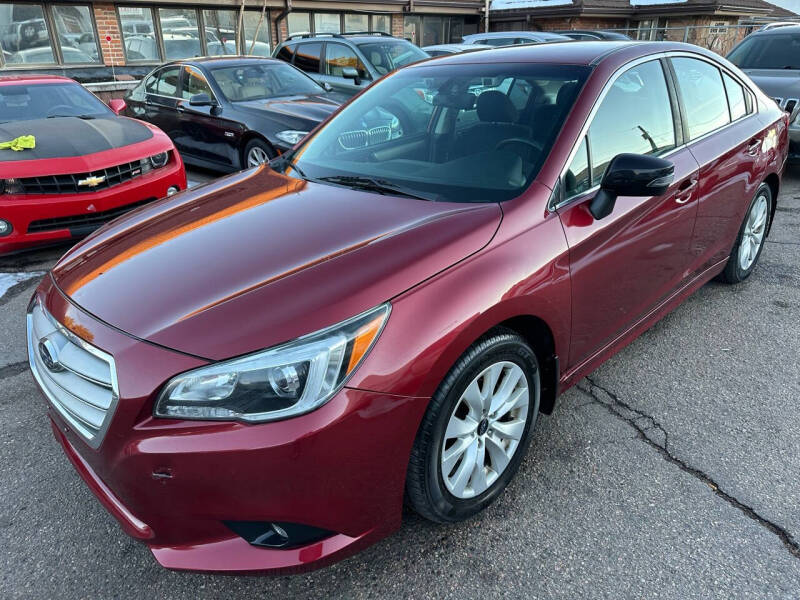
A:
{"x": 485, "y": 429}
{"x": 754, "y": 231}
{"x": 257, "y": 156}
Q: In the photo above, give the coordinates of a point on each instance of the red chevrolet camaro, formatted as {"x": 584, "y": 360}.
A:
{"x": 252, "y": 377}
{"x": 88, "y": 167}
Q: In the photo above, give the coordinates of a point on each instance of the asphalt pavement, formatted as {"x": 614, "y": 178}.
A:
{"x": 673, "y": 471}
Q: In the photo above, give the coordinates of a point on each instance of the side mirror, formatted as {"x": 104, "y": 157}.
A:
{"x": 631, "y": 175}
{"x": 351, "y": 73}
{"x": 117, "y": 105}
{"x": 327, "y": 86}
{"x": 201, "y": 100}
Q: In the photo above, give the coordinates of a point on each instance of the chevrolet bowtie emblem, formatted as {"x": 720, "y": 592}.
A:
{"x": 92, "y": 180}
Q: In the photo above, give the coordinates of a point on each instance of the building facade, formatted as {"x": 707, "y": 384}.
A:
{"x": 108, "y": 41}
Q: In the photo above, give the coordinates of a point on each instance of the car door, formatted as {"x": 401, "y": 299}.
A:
{"x": 725, "y": 137}
{"x": 337, "y": 58}
{"x": 205, "y": 132}
{"x": 622, "y": 266}
{"x": 161, "y": 101}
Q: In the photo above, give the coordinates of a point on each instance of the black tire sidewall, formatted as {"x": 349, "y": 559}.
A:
{"x": 502, "y": 348}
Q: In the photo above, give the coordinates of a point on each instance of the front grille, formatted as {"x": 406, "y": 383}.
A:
{"x": 79, "y": 183}
{"x": 78, "y": 379}
{"x": 83, "y": 224}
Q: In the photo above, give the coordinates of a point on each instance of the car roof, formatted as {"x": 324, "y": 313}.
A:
{"x": 460, "y": 47}
{"x": 11, "y": 79}
{"x": 776, "y": 31}
{"x": 224, "y": 61}
{"x": 356, "y": 38}
{"x": 540, "y": 35}
{"x": 568, "y": 53}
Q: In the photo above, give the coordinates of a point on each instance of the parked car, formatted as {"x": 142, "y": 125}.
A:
{"x": 446, "y": 49}
{"x": 363, "y": 323}
{"x": 227, "y": 113}
{"x": 772, "y": 60}
{"x": 587, "y": 35}
{"x": 512, "y": 38}
{"x": 88, "y": 167}
{"x": 30, "y": 33}
{"x": 348, "y": 63}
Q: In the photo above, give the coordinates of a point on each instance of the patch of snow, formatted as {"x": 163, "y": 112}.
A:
{"x": 9, "y": 280}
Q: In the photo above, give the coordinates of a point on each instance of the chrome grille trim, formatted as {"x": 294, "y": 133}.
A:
{"x": 82, "y": 384}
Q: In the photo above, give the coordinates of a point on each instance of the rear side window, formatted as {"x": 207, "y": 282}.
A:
{"x": 703, "y": 95}
{"x": 286, "y": 53}
{"x": 736, "y": 100}
{"x": 635, "y": 116}
{"x": 164, "y": 83}
{"x": 307, "y": 56}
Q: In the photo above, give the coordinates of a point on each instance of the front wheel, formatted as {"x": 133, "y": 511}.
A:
{"x": 257, "y": 152}
{"x": 475, "y": 432}
{"x": 752, "y": 236}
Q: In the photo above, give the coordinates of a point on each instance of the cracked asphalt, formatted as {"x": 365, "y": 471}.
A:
{"x": 671, "y": 472}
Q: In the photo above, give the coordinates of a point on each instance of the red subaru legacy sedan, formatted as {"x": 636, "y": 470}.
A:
{"x": 89, "y": 165}
{"x": 255, "y": 375}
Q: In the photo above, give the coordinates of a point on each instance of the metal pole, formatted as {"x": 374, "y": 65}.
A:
{"x": 486, "y": 14}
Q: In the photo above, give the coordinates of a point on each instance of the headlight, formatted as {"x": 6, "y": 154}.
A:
{"x": 154, "y": 162}
{"x": 290, "y": 136}
{"x": 10, "y": 186}
{"x": 277, "y": 383}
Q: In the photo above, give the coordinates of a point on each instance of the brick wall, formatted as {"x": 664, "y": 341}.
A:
{"x": 397, "y": 25}
{"x": 108, "y": 27}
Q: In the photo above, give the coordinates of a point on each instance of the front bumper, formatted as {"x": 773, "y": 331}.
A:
{"x": 173, "y": 484}
{"x": 66, "y": 210}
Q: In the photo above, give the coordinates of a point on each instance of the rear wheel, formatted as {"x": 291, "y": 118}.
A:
{"x": 257, "y": 152}
{"x": 475, "y": 432}
{"x": 750, "y": 241}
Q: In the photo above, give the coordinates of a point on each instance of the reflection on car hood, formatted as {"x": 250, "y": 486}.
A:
{"x": 259, "y": 258}
{"x": 293, "y": 111}
{"x": 63, "y": 137}
{"x": 776, "y": 83}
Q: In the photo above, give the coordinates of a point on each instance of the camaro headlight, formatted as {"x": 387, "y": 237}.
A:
{"x": 154, "y": 162}
{"x": 280, "y": 382}
{"x": 10, "y": 186}
{"x": 291, "y": 136}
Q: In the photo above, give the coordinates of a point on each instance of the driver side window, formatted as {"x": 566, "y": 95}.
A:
{"x": 194, "y": 82}
{"x": 635, "y": 116}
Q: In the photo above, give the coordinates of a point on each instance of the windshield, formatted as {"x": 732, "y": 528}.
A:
{"x": 386, "y": 56}
{"x": 459, "y": 133}
{"x": 264, "y": 80}
{"x": 22, "y": 102}
{"x": 774, "y": 51}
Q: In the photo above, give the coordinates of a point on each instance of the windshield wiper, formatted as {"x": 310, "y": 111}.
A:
{"x": 84, "y": 117}
{"x": 379, "y": 186}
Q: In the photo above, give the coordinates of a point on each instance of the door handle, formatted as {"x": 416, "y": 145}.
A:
{"x": 180, "y": 108}
{"x": 753, "y": 146}
{"x": 685, "y": 190}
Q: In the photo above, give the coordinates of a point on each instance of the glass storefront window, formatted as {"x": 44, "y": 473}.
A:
{"x": 356, "y": 22}
{"x": 298, "y": 22}
{"x": 411, "y": 28}
{"x": 24, "y": 36}
{"x": 382, "y": 23}
{"x": 327, "y": 23}
{"x": 180, "y": 32}
{"x": 76, "y": 34}
{"x": 138, "y": 34}
{"x": 256, "y": 33}
{"x": 432, "y": 32}
{"x": 221, "y": 26}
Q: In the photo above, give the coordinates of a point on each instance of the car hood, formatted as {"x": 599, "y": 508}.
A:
{"x": 259, "y": 258}
{"x": 293, "y": 112}
{"x": 65, "y": 137}
{"x": 776, "y": 83}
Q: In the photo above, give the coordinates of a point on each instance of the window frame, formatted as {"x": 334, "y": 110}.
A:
{"x": 185, "y": 68}
{"x": 55, "y": 42}
{"x": 557, "y": 199}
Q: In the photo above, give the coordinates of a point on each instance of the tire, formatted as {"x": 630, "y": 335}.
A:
{"x": 256, "y": 147}
{"x": 751, "y": 237}
{"x": 434, "y": 479}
